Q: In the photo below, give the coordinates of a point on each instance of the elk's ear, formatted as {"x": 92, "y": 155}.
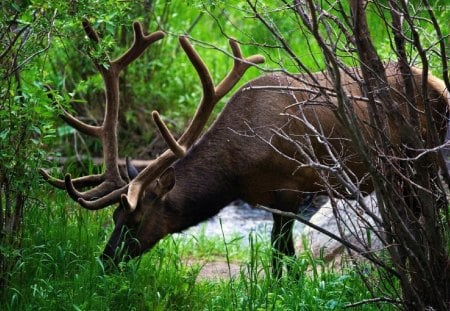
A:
{"x": 165, "y": 182}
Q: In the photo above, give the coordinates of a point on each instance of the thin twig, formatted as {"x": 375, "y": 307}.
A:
{"x": 373, "y": 300}
{"x": 360, "y": 251}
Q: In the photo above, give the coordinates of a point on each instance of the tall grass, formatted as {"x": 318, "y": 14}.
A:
{"x": 58, "y": 269}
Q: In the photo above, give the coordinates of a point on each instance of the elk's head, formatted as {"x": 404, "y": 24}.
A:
{"x": 137, "y": 230}
{"x": 138, "y": 221}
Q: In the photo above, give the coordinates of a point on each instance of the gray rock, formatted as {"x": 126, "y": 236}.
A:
{"x": 357, "y": 228}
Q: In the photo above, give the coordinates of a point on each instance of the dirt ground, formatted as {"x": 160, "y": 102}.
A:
{"x": 216, "y": 269}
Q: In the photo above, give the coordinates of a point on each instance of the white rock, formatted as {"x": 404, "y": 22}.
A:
{"x": 357, "y": 228}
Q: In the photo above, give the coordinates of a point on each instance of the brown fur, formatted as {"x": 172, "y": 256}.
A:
{"x": 234, "y": 161}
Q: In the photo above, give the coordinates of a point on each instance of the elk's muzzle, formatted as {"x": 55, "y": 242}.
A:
{"x": 121, "y": 247}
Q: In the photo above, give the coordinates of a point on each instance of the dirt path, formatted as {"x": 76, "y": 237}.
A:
{"x": 215, "y": 270}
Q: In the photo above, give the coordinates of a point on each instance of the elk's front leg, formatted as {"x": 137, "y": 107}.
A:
{"x": 282, "y": 242}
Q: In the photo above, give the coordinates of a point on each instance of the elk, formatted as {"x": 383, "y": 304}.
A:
{"x": 241, "y": 156}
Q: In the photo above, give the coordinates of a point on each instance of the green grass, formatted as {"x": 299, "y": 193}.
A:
{"x": 57, "y": 269}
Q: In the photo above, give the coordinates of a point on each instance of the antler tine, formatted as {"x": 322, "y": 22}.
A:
{"x": 207, "y": 104}
{"x": 104, "y": 201}
{"x": 80, "y": 182}
{"x": 240, "y": 65}
{"x": 92, "y": 194}
{"x": 200, "y": 67}
{"x": 211, "y": 95}
{"x": 139, "y": 45}
{"x": 55, "y": 182}
{"x": 176, "y": 148}
{"x": 80, "y": 125}
{"x": 179, "y": 148}
{"x": 86, "y": 181}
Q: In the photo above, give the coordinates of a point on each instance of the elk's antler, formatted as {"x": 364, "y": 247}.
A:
{"x": 109, "y": 187}
{"x": 110, "y": 184}
{"x": 211, "y": 95}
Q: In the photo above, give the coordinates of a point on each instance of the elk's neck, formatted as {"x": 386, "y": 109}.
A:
{"x": 202, "y": 188}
